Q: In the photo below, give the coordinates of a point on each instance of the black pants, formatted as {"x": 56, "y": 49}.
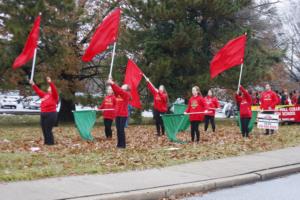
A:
{"x": 120, "y": 124}
{"x": 245, "y": 125}
{"x": 48, "y": 120}
{"x": 210, "y": 119}
{"x": 268, "y": 131}
{"x": 195, "y": 130}
{"x": 107, "y": 125}
{"x": 159, "y": 122}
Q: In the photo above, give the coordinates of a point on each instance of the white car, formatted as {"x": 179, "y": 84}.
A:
{"x": 8, "y": 103}
{"x": 35, "y": 104}
{"x": 32, "y": 102}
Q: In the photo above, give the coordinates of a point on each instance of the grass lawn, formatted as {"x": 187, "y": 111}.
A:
{"x": 72, "y": 156}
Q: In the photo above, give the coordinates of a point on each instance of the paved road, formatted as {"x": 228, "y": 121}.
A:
{"x": 278, "y": 189}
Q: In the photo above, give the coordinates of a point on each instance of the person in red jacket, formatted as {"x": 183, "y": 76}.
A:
{"x": 212, "y": 104}
{"x": 268, "y": 101}
{"x": 48, "y": 106}
{"x": 254, "y": 98}
{"x": 295, "y": 97}
{"x": 196, "y": 104}
{"x": 121, "y": 110}
{"x": 244, "y": 101}
{"x": 109, "y": 102}
{"x": 160, "y": 98}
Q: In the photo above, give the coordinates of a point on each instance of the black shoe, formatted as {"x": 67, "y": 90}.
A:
{"x": 267, "y": 133}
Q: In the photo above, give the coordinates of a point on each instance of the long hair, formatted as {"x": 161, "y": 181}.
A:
{"x": 165, "y": 91}
{"x": 212, "y": 93}
{"x": 198, "y": 90}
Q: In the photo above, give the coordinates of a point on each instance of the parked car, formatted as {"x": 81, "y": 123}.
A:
{"x": 7, "y": 102}
{"x": 220, "y": 109}
{"x": 230, "y": 109}
{"x": 32, "y": 102}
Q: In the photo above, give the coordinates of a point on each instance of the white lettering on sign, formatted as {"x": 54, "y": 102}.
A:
{"x": 268, "y": 121}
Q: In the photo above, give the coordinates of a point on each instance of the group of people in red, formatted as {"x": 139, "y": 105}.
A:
{"x": 268, "y": 100}
{"x": 117, "y": 99}
{"x": 199, "y": 109}
{"x": 115, "y": 106}
{"x": 285, "y": 97}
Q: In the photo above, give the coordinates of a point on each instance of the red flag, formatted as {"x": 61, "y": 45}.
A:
{"x": 230, "y": 55}
{"x": 133, "y": 77}
{"x": 30, "y": 45}
{"x": 106, "y": 33}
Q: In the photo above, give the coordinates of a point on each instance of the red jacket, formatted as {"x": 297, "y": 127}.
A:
{"x": 268, "y": 100}
{"x": 212, "y": 103}
{"x": 48, "y": 100}
{"x": 160, "y": 99}
{"x": 122, "y": 101}
{"x": 254, "y": 100}
{"x": 244, "y": 103}
{"x": 196, "y": 104}
{"x": 294, "y": 100}
{"x": 109, "y": 102}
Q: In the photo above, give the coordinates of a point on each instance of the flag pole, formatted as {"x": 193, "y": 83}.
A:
{"x": 112, "y": 61}
{"x": 33, "y": 64}
{"x": 149, "y": 81}
{"x": 242, "y": 65}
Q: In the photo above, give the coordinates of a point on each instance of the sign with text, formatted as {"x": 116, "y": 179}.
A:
{"x": 290, "y": 114}
{"x": 267, "y": 121}
{"x": 287, "y": 113}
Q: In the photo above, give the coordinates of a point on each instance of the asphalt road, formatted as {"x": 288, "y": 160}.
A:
{"x": 286, "y": 188}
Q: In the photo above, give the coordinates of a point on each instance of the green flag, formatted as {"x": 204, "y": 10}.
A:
{"x": 85, "y": 121}
{"x": 251, "y": 123}
{"x": 175, "y": 123}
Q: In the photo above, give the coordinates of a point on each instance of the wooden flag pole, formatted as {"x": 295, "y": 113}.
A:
{"x": 112, "y": 61}
{"x": 33, "y": 64}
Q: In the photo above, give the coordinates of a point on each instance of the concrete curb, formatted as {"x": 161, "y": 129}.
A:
{"x": 195, "y": 187}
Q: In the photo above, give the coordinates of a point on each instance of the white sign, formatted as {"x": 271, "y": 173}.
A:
{"x": 268, "y": 121}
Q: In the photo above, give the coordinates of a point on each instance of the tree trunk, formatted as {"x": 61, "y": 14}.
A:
{"x": 65, "y": 114}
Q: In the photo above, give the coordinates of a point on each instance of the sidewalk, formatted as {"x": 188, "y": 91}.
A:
{"x": 159, "y": 183}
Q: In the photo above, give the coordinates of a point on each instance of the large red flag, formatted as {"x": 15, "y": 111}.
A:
{"x": 230, "y": 55}
{"x": 30, "y": 45}
{"x": 133, "y": 77}
{"x": 106, "y": 33}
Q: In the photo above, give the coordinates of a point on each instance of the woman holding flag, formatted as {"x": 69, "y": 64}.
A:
{"x": 121, "y": 110}
{"x": 48, "y": 105}
{"x": 212, "y": 104}
{"x": 196, "y": 109}
{"x": 244, "y": 101}
{"x": 108, "y": 107}
{"x": 160, "y": 97}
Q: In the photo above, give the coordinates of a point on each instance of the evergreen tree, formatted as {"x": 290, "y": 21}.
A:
{"x": 175, "y": 40}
